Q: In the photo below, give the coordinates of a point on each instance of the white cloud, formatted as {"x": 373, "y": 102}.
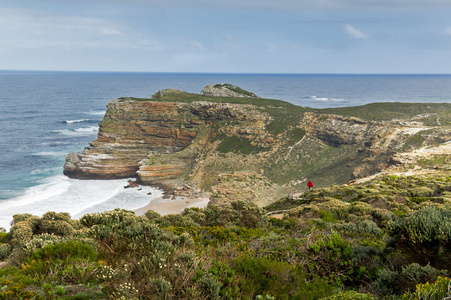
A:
{"x": 110, "y": 31}
{"x": 354, "y": 33}
{"x": 23, "y": 21}
{"x": 299, "y": 5}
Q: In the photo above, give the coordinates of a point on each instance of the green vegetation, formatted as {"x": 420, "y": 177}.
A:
{"x": 235, "y": 89}
{"x": 369, "y": 241}
{"x": 428, "y": 113}
{"x": 236, "y": 144}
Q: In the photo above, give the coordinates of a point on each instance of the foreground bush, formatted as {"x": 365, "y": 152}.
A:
{"x": 440, "y": 289}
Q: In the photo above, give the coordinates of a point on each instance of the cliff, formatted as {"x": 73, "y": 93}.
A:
{"x": 181, "y": 139}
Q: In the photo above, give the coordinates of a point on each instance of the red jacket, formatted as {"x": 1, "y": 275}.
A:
{"x": 310, "y": 184}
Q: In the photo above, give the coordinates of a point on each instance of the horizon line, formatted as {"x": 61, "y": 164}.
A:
{"x": 210, "y": 73}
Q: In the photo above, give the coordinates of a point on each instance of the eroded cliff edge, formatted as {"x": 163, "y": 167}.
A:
{"x": 250, "y": 148}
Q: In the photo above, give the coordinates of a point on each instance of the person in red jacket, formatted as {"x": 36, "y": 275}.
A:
{"x": 310, "y": 184}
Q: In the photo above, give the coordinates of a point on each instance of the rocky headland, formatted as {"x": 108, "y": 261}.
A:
{"x": 235, "y": 145}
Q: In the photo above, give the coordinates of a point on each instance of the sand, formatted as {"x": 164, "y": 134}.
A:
{"x": 173, "y": 206}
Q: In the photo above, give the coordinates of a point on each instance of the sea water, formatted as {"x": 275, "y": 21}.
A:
{"x": 46, "y": 115}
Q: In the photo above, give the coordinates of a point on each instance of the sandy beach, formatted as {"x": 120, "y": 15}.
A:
{"x": 174, "y": 206}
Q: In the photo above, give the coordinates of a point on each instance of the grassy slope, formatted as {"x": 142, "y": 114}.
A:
{"x": 325, "y": 164}
{"x": 382, "y": 237}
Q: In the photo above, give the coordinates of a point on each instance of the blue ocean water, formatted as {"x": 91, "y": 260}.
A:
{"x": 45, "y": 115}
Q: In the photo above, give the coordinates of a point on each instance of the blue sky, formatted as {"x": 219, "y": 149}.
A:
{"x": 237, "y": 36}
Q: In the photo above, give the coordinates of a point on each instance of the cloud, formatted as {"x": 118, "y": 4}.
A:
{"x": 110, "y": 31}
{"x": 299, "y": 5}
{"x": 354, "y": 33}
{"x": 35, "y": 21}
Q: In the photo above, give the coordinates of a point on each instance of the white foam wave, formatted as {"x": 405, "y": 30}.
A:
{"x": 88, "y": 129}
{"x": 96, "y": 113}
{"x": 316, "y": 98}
{"x": 44, "y": 171}
{"x": 76, "y": 121}
{"x": 50, "y": 153}
{"x": 77, "y": 197}
{"x": 78, "y": 131}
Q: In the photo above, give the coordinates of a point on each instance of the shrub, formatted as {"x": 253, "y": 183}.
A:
{"x": 265, "y": 276}
{"x": 363, "y": 227}
{"x": 152, "y": 215}
{"x": 438, "y": 290}
{"x": 21, "y": 217}
{"x": 72, "y": 249}
{"x": 175, "y": 220}
{"x": 21, "y": 232}
{"x": 240, "y": 213}
{"x": 426, "y": 225}
{"x": 162, "y": 287}
{"x": 421, "y": 191}
{"x": 350, "y": 295}
{"x": 5, "y": 250}
{"x": 416, "y": 273}
{"x": 211, "y": 286}
{"x": 122, "y": 233}
{"x": 58, "y": 227}
{"x": 385, "y": 281}
{"x": 305, "y": 211}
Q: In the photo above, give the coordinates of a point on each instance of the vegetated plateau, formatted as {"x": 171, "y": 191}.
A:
{"x": 384, "y": 235}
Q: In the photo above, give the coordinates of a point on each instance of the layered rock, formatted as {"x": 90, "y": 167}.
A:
{"x": 226, "y": 90}
{"x": 134, "y": 129}
{"x": 239, "y": 151}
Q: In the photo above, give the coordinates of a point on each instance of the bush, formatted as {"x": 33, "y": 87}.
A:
{"x": 21, "y": 233}
{"x": 385, "y": 281}
{"x": 423, "y": 234}
{"x": 175, "y": 220}
{"x": 427, "y": 224}
{"x": 5, "y": 251}
{"x": 162, "y": 287}
{"x": 416, "y": 273}
{"x": 58, "y": 227}
{"x": 267, "y": 277}
{"x": 350, "y": 295}
{"x": 363, "y": 227}
{"x": 152, "y": 215}
{"x": 211, "y": 286}
{"x": 72, "y": 249}
{"x": 438, "y": 290}
{"x": 240, "y": 213}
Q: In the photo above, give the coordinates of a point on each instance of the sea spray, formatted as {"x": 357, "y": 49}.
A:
{"x": 77, "y": 197}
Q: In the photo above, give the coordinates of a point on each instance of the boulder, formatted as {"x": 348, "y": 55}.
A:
{"x": 226, "y": 90}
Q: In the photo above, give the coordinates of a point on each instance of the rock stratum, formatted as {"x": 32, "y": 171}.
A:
{"x": 251, "y": 148}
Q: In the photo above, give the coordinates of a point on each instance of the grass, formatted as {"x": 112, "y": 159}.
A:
{"x": 429, "y": 113}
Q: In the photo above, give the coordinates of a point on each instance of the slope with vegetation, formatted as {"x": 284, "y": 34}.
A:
{"x": 183, "y": 139}
{"x": 386, "y": 238}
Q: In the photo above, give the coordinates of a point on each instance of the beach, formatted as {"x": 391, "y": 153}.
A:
{"x": 175, "y": 205}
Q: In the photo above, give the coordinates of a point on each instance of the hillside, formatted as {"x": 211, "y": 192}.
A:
{"x": 178, "y": 139}
{"x": 383, "y": 236}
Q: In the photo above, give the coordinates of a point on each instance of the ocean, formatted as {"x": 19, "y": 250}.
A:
{"x": 46, "y": 115}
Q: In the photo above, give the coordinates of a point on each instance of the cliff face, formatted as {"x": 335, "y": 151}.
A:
{"x": 180, "y": 139}
{"x": 133, "y": 129}
{"x": 130, "y": 131}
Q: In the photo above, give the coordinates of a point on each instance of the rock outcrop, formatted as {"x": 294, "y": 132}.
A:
{"x": 226, "y": 90}
{"x": 179, "y": 140}
{"x": 133, "y": 129}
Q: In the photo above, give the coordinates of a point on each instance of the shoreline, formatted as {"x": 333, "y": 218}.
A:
{"x": 175, "y": 205}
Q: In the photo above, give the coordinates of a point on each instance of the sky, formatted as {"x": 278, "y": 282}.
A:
{"x": 227, "y": 36}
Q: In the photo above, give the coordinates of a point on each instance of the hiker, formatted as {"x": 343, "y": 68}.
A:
{"x": 310, "y": 184}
